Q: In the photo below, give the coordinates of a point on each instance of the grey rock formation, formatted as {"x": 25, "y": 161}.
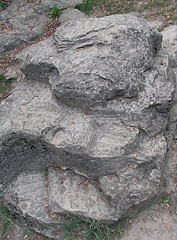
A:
{"x": 156, "y": 24}
{"x": 95, "y": 101}
{"x": 27, "y": 196}
{"x": 71, "y": 14}
{"x": 71, "y": 193}
{"x": 169, "y": 41}
{"x": 27, "y": 193}
{"x": 169, "y": 46}
{"x": 24, "y": 21}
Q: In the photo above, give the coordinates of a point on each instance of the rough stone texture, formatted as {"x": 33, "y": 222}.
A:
{"x": 96, "y": 99}
{"x": 71, "y": 14}
{"x": 10, "y": 75}
{"x": 24, "y": 21}
{"x": 71, "y": 193}
{"x": 27, "y": 194}
{"x": 169, "y": 39}
{"x": 99, "y": 80}
{"x": 169, "y": 42}
{"x": 156, "y": 24}
{"x": 169, "y": 45}
{"x": 17, "y": 232}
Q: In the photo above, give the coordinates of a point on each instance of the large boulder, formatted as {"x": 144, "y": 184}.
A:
{"x": 95, "y": 103}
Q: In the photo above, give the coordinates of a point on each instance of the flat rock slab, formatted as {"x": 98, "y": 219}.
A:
{"x": 94, "y": 59}
{"x": 24, "y": 21}
{"x": 156, "y": 24}
{"x": 169, "y": 41}
{"x": 169, "y": 37}
{"x": 71, "y": 193}
{"x": 27, "y": 193}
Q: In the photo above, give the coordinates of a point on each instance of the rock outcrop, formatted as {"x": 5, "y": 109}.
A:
{"x": 24, "y": 21}
{"x": 70, "y": 14}
{"x": 93, "y": 107}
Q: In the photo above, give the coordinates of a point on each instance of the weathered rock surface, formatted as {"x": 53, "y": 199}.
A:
{"x": 169, "y": 42}
{"x": 95, "y": 101}
{"x": 169, "y": 37}
{"x": 24, "y": 21}
{"x": 169, "y": 45}
{"x": 27, "y": 196}
{"x": 71, "y": 14}
{"x": 27, "y": 193}
{"x": 71, "y": 193}
{"x": 156, "y": 24}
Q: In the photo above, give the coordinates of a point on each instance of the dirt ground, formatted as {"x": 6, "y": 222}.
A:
{"x": 152, "y": 10}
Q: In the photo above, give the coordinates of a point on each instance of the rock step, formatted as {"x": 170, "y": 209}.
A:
{"x": 72, "y": 193}
{"x": 39, "y": 198}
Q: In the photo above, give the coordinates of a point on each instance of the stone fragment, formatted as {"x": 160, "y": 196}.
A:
{"x": 27, "y": 194}
{"x": 71, "y": 14}
{"x": 156, "y": 24}
{"x": 169, "y": 42}
{"x": 74, "y": 194}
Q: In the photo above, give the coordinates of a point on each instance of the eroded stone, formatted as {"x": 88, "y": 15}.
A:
{"x": 28, "y": 195}
{"x": 95, "y": 101}
{"x": 24, "y": 21}
{"x": 71, "y": 193}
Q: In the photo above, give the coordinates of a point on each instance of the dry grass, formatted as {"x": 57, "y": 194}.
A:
{"x": 152, "y": 10}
